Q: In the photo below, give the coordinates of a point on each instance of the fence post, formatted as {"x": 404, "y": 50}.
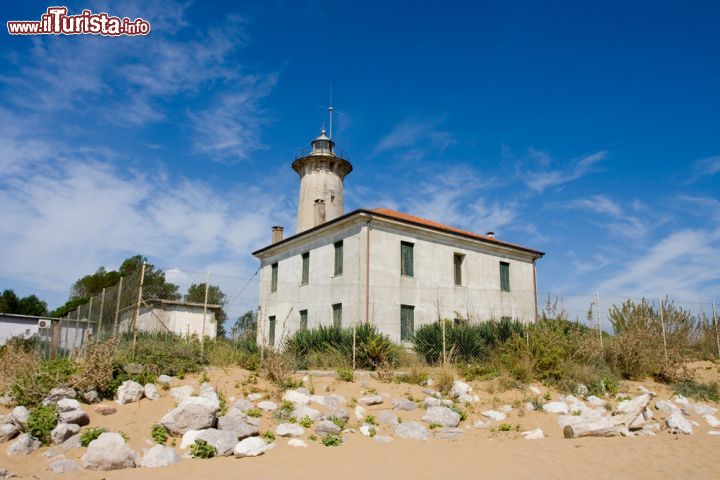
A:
{"x": 443, "y": 343}
{"x": 202, "y": 337}
{"x": 77, "y": 322}
{"x": 102, "y": 307}
{"x": 662, "y": 325}
{"x": 717, "y": 332}
{"x": 599, "y": 323}
{"x": 117, "y": 308}
{"x": 353, "y": 345}
{"x": 87, "y": 321}
{"x": 137, "y": 309}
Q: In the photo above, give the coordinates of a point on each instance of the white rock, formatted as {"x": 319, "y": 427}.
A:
{"x": 494, "y": 415}
{"x": 252, "y": 447}
{"x": 678, "y": 424}
{"x": 109, "y": 452}
{"x": 209, "y": 392}
{"x": 151, "y": 392}
{"x": 367, "y": 430}
{"x": 595, "y": 401}
{"x": 302, "y": 411}
{"x": 67, "y": 405}
{"x": 460, "y": 388}
{"x": 702, "y": 409}
{"x": 412, "y": 431}
{"x": 179, "y": 393}
{"x": 535, "y": 390}
{"x": 627, "y": 406}
{"x": 296, "y": 397}
{"x": 63, "y": 466}
{"x": 62, "y": 432}
{"x": 557, "y": 407}
{"x": 296, "y": 442}
{"x": 165, "y": 379}
{"x": 681, "y": 400}
{"x": 667, "y": 406}
{"x": 359, "y": 412}
{"x": 289, "y": 430}
{"x": 712, "y": 421}
{"x": 481, "y": 424}
{"x": 8, "y": 431}
{"x": 506, "y": 409}
{"x": 129, "y": 391}
{"x": 714, "y": 432}
{"x": 404, "y": 404}
{"x": 24, "y": 445}
{"x": 21, "y": 415}
{"x": 267, "y": 406}
{"x": 188, "y": 438}
{"x": 78, "y": 417}
{"x": 240, "y": 407}
{"x": 193, "y": 413}
{"x": 382, "y": 438}
{"x": 370, "y": 400}
{"x": 536, "y": 434}
{"x": 436, "y": 402}
{"x": 254, "y": 397}
{"x": 465, "y": 398}
{"x": 224, "y": 441}
{"x": 645, "y": 390}
{"x": 159, "y": 456}
{"x": 239, "y": 425}
{"x": 443, "y": 416}
{"x": 529, "y": 407}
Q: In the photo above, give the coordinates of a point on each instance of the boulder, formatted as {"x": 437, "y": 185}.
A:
{"x": 368, "y": 430}
{"x": 712, "y": 421}
{"x": 359, "y": 412}
{"x": 296, "y": 442}
{"x": 302, "y": 411}
{"x": 252, "y": 447}
{"x": 436, "y": 402}
{"x": 240, "y": 407}
{"x": 105, "y": 410}
{"x": 159, "y": 456}
{"x": 63, "y": 431}
{"x": 238, "y": 425}
{"x": 557, "y": 407}
{"x": 382, "y": 438}
{"x": 254, "y": 397}
{"x": 180, "y": 393}
{"x": 8, "y": 431}
{"x": 224, "y": 441}
{"x": 24, "y": 445}
{"x": 67, "y": 405}
{"x": 459, "y": 388}
{"x": 681, "y": 400}
{"x": 667, "y": 406}
{"x": 340, "y": 414}
{"x": 20, "y": 416}
{"x": 188, "y": 438}
{"x": 64, "y": 466}
{"x": 151, "y": 392}
{"x": 77, "y": 417}
{"x": 289, "y": 430}
{"x": 678, "y": 424}
{"x": 326, "y": 427}
{"x": 209, "y": 392}
{"x": 403, "y": 404}
{"x": 384, "y": 417}
{"x": 129, "y": 392}
{"x": 494, "y": 415}
{"x": 294, "y": 396}
{"x": 69, "y": 444}
{"x": 481, "y": 424}
{"x": 193, "y": 413}
{"x": 91, "y": 397}
{"x": 595, "y": 401}
{"x": 370, "y": 400}
{"x": 581, "y": 390}
{"x": 447, "y": 433}
{"x": 267, "y": 406}
{"x": 166, "y": 379}
{"x": 58, "y": 394}
{"x": 536, "y": 434}
{"x": 412, "y": 431}
{"x": 109, "y": 452}
{"x": 442, "y": 416}
{"x": 702, "y": 409}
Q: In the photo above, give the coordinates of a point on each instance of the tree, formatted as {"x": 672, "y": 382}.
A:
{"x": 154, "y": 284}
{"x": 30, "y": 305}
{"x": 91, "y": 285}
{"x": 196, "y": 294}
{"x": 245, "y": 325}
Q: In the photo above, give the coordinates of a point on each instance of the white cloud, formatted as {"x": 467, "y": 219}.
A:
{"x": 622, "y": 223}
{"x": 707, "y": 167}
{"x": 416, "y": 135}
{"x": 539, "y": 180}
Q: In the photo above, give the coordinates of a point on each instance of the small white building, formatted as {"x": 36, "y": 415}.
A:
{"x": 394, "y": 270}
{"x": 181, "y": 318}
{"x": 25, "y": 326}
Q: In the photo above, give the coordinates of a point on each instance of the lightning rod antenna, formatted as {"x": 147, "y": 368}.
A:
{"x": 330, "y": 109}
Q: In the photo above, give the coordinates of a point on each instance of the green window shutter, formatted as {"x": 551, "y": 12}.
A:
{"x": 271, "y": 333}
{"x": 407, "y": 262}
{"x": 305, "y": 268}
{"x": 337, "y": 315}
{"x": 407, "y": 322}
{"x": 504, "y": 276}
{"x": 274, "y": 281}
{"x": 303, "y": 319}
{"x": 338, "y": 258}
{"x": 457, "y": 263}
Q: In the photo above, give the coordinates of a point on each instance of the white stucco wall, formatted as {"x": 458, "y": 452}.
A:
{"x": 179, "y": 319}
{"x": 431, "y": 291}
{"x": 17, "y": 327}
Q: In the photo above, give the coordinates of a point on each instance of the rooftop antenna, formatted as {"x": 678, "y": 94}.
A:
{"x": 330, "y": 109}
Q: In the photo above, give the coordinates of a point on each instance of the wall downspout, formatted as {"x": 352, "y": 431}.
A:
{"x": 367, "y": 273}
{"x": 535, "y": 289}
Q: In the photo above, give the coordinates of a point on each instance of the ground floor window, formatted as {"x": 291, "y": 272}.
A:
{"x": 303, "y": 319}
{"x": 407, "y": 322}
{"x": 337, "y": 315}
{"x": 271, "y": 331}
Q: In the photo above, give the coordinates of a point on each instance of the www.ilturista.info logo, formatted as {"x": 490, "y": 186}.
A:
{"x": 57, "y": 22}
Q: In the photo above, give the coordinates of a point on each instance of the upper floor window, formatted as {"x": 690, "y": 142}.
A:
{"x": 504, "y": 276}
{"x": 338, "y": 258}
{"x": 274, "y": 279}
{"x": 305, "y": 268}
{"x": 407, "y": 260}
{"x": 458, "y": 260}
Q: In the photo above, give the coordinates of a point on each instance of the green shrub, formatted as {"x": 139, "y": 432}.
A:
{"x": 345, "y": 374}
{"x": 370, "y": 420}
{"x": 162, "y": 353}
{"x": 477, "y": 371}
{"x": 41, "y": 422}
{"x": 433, "y": 426}
{"x": 332, "y": 440}
{"x": 253, "y": 412}
{"x": 243, "y": 352}
{"x": 269, "y": 436}
{"x": 160, "y": 434}
{"x": 91, "y": 434}
{"x": 31, "y": 386}
{"x": 340, "y": 422}
{"x": 202, "y": 449}
{"x": 306, "y": 422}
{"x": 505, "y": 427}
{"x": 698, "y": 391}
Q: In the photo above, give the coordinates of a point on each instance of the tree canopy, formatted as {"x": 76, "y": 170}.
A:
{"x": 30, "y": 305}
{"x": 196, "y": 294}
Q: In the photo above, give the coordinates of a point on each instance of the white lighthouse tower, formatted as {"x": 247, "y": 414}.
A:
{"x": 322, "y": 172}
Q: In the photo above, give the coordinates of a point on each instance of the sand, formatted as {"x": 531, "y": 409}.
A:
{"x": 478, "y": 453}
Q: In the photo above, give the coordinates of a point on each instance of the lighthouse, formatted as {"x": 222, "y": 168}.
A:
{"x": 322, "y": 172}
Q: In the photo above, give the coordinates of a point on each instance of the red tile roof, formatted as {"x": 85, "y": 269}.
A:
{"x": 406, "y": 217}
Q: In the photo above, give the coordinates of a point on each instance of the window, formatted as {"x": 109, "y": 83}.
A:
{"x": 457, "y": 264}
{"x": 273, "y": 281}
{"x": 338, "y": 258}
{"x": 337, "y": 315}
{"x": 504, "y": 276}
{"x": 407, "y": 322}
{"x": 303, "y": 319}
{"x": 271, "y": 330}
{"x": 407, "y": 267}
{"x": 305, "y": 268}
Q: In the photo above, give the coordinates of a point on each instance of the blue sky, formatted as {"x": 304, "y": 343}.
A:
{"x": 588, "y": 130}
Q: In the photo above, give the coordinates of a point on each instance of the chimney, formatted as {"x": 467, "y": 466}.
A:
{"x": 277, "y": 233}
{"x": 490, "y": 234}
{"x": 319, "y": 212}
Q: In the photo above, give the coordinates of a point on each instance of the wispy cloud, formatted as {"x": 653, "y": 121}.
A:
{"x": 417, "y": 136}
{"x": 706, "y": 167}
{"x": 621, "y": 222}
{"x": 539, "y": 180}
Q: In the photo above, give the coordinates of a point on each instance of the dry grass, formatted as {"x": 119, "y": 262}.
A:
{"x": 14, "y": 361}
{"x": 95, "y": 366}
